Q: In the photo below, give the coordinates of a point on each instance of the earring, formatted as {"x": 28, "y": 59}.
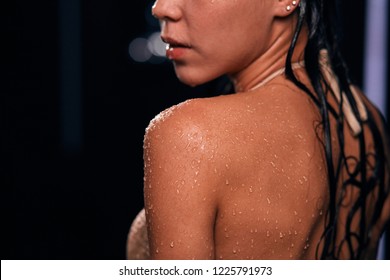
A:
{"x": 294, "y": 3}
{"x": 288, "y": 8}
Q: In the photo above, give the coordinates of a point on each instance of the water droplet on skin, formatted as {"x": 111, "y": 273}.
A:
{"x": 273, "y": 164}
{"x": 234, "y": 251}
{"x": 281, "y": 235}
{"x": 250, "y": 189}
{"x": 308, "y": 154}
{"x": 227, "y": 182}
{"x": 299, "y": 220}
{"x": 268, "y": 234}
{"x": 305, "y": 178}
{"x": 172, "y": 244}
{"x": 295, "y": 232}
{"x": 268, "y": 200}
{"x": 292, "y": 245}
{"x": 157, "y": 251}
{"x": 300, "y": 181}
{"x": 320, "y": 212}
{"x": 295, "y": 213}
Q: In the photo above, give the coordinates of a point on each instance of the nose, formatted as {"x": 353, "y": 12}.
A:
{"x": 167, "y": 10}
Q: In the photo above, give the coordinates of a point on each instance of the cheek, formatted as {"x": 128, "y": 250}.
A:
{"x": 219, "y": 38}
{"x": 232, "y": 47}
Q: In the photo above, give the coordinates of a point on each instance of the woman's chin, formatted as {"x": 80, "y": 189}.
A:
{"x": 191, "y": 80}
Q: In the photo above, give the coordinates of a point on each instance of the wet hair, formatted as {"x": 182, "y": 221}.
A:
{"x": 369, "y": 175}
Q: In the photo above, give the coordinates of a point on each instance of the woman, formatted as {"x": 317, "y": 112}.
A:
{"x": 293, "y": 165}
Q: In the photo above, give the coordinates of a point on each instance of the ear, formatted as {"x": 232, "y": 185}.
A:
{"x": 284, "y": 8}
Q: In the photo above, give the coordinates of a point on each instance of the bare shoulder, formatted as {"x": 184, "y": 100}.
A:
{"x": 234, "y": 122}
{"x": 186, "y": 124}
{"x": 178, "y": 116}
{"x": 226, "y": 110}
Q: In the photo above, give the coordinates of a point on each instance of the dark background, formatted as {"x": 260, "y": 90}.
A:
{"x": 74, "y": 108}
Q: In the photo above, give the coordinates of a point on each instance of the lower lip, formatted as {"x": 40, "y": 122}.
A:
{"x": 175, "y": 53}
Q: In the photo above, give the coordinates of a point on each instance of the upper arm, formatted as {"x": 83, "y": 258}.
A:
{"x": 178, "y": 189}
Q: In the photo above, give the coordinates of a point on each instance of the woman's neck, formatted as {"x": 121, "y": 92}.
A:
{"x": 273, "y": 59}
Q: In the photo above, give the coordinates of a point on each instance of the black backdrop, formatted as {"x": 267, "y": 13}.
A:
{"x": 77, "y": 201}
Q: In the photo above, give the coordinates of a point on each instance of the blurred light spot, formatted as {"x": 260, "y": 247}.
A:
{"x": 155, "y": 45}
{"x": 139, "y": 51}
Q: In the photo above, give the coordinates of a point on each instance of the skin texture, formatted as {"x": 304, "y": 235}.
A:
{"x": 238, "y": 176}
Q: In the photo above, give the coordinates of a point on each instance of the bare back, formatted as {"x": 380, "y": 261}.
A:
{"x": 275, "y": 208}
{"x": 240, "y": 176}
{"x": 273, "y": 203}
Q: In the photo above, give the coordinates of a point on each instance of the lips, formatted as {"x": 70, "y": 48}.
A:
{"x": 175, "y": 49}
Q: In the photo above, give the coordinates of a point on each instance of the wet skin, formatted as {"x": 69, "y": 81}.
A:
{"x": 238, "y": 176}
